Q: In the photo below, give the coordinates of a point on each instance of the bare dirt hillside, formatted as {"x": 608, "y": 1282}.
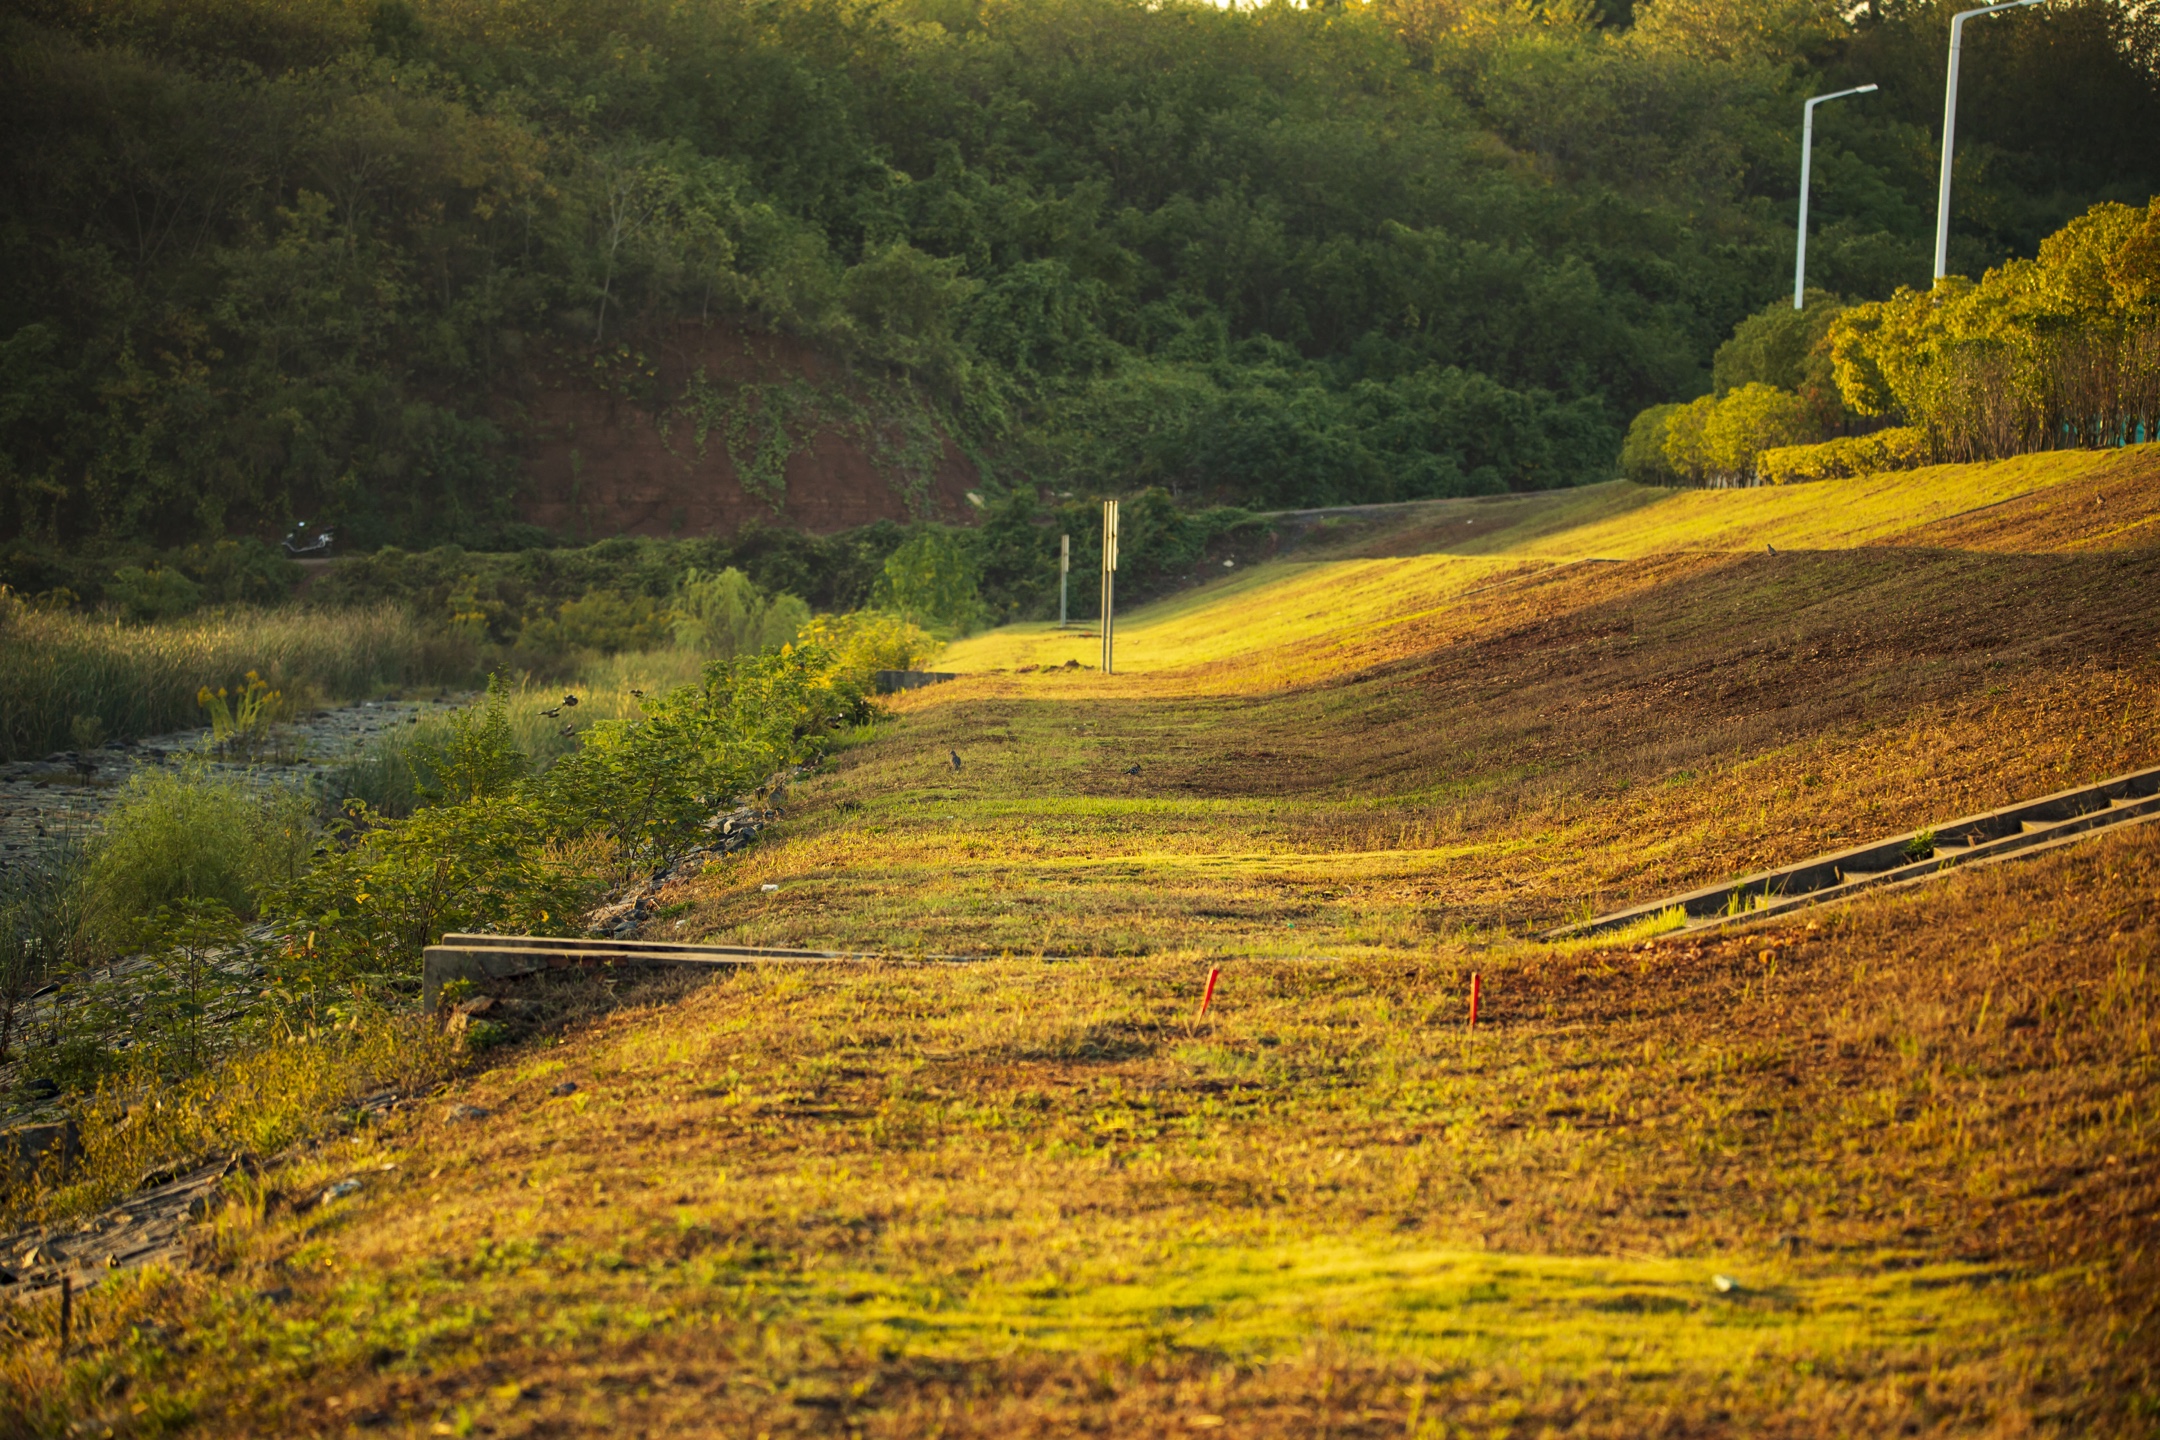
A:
{"x": 707, "y": 428}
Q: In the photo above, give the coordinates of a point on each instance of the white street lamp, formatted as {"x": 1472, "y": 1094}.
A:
{"x": 1942, "y": 194}
{"x": 1807, "y": 159}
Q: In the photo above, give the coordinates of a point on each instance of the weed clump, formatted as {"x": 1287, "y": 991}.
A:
{"x": 193, "y": 836}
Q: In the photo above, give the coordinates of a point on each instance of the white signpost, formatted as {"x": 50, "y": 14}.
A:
{"x": 1109, "y": 576}
{"x": 1064, "y": 574}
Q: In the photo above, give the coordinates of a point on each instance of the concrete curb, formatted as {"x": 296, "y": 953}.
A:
{"x": 2010, "y": 832}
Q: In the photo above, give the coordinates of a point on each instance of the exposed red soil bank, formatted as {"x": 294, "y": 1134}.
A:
{"x": 603, "y": 457}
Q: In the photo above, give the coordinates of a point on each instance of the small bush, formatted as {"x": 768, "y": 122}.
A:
{"x": 602, "y": 622}
{"x": 197, "y": 836}
{"x": 723, "y": 615}
{"x": 1715, "y": 440}
{"x": 477, "y": 758}
{"x": 869, "y": 641}
{"x": 933, "y": 580}
{"x": 1902, "y": 448}
{"x": 1642, "y": 454}
{"x": 153, "y": 594}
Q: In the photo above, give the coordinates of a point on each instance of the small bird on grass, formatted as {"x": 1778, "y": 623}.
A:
{"x": 570, "y": 700}
{"x": 1132, "y": 770}
{"x": 955, "y": 759}
{"x": 1771, "y": 548}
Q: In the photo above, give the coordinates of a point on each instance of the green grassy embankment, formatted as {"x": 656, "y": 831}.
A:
{"x": 1034, "y": 1196}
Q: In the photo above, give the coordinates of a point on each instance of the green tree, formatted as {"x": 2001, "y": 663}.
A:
{"x": 932, "y": 580}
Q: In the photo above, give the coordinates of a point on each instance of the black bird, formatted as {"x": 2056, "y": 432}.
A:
{"x": 637, "y": 694}
{"x": 956, "y": 759}
{"x": 1771, "y": 548}
{"x": 551, "y": 714}
{"x": 1132, "y": 770}
{"x": 569, "y": 700}
{"x": 569, "y": 729}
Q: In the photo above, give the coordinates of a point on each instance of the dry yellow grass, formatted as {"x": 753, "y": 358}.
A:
{"x": 1036, "y": 1196}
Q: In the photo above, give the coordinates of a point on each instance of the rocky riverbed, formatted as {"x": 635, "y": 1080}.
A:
{"x": 62, "y": 798}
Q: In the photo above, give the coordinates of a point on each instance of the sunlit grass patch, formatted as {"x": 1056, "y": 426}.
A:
{"x": 1253, "y": 1303}
{"x": 1298, "y": 619}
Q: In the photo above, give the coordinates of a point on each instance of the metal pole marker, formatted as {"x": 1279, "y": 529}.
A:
{"x": 1064, "y": 574}
{"x": 1109, "y": 579}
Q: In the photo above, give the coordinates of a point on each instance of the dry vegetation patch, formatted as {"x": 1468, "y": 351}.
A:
{"x": 1039, "y": 1198}
{"x": 1918, "y": 1133}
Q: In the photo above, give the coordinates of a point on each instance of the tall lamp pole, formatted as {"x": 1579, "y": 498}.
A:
{"x": 1942, "y": 193}
{"x": 1807, "y": 161}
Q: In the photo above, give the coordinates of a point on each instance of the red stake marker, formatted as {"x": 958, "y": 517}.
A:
{"x": 1474, "y": 988}
{"x": 1208, "y": 998}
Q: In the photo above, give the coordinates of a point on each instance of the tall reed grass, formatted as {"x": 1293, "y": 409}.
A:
{"x": 65, "y": 678}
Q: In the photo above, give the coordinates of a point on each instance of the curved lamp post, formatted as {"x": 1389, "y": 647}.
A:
{"x": 1807, "y": 160}
{"x": 1942, "y": 194}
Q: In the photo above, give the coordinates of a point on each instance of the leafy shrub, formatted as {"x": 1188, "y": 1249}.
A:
{"x": 154, "y": 594}
{"x": 394, "y": 774}
{"x": 1900, "y": 448}
{"x": 724, "y": 615}
{"x": 390, "y": 887}
{"x": 934, "y": 581}
{"x": 477, "y": 756}
{"x": 866, "y": 641}
{"x": 194, "y": 966}
{"x": 1642, "y": 454}
{"x": 533, "y": 852}
{"x": 193, "y": 836}
{"x": 239, "y": 572}
{"x": 602, "y": 621}
{"x": 1715, "y": 439}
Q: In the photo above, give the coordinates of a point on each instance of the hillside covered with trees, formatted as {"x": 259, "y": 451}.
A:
{"x": 269, "y": 258}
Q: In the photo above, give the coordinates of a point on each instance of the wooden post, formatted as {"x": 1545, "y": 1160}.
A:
{"x": 1109, "y": 579}
{"x": 67, "y": 1311}
{"x": 1064, "y": 574}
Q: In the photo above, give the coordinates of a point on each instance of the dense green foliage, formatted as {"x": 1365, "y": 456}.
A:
{"x": 2060, "y": 351}
{"x": 500, "y": 836}
{"x": 273, "y": 259}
